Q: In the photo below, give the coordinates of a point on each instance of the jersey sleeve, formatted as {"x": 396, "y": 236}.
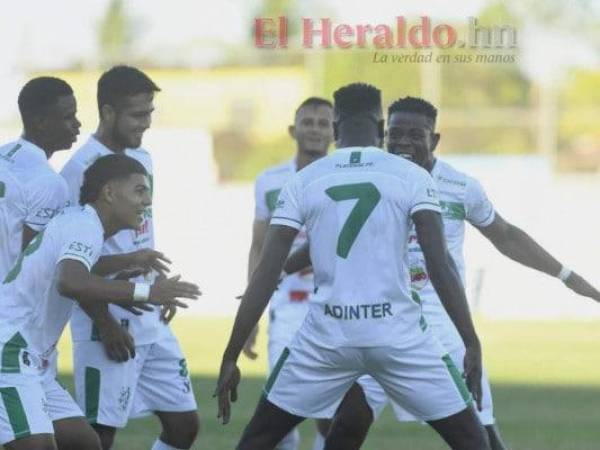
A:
{"x": 288, "y": 209}
{"x": 424, "y": 194}
{"x": 72, "y": 173}
{"x": 45, "y": 198}
{"x": 82, "y": 242}
{"x": 261, "y": 209}
{"x": 478, "y": 209}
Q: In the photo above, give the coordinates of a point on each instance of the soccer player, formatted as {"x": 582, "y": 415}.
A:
{"x": 357, "y": 205}
{"x": 136, "y": 360}
{"x": 48, "y": 113}
{"x": 313, "y": 133}
{"x": 412, "y": 134}
{"x": 38, "y": 293}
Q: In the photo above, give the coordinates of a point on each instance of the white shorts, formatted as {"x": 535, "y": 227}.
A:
{"x": 110, "y": 392}
{"x": 30, "y": 402}
{"x": 310, "y": 381}
{"x": 378, "y": 399}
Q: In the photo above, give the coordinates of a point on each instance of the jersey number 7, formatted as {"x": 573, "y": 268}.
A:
{"x": 368, "y": 196}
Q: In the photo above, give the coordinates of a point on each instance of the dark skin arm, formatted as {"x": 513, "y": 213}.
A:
{"x": 298, "y": 260}
{"x": 446, "y": 281}
{"x": 76, "y": 282}
{"x": 145, "y": 259}
{"x": 264, "y": 280}
{"x": 517, "y": 245}
{"x": 259, "y": 230}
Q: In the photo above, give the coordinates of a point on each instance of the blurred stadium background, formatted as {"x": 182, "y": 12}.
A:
{"x": 528, "y": 130}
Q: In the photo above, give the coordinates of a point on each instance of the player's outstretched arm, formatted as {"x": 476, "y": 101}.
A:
{"x": 259, "y": 230}
{"x": 298, "y": 260}
{"x": 446, "y": 281}
{"x": 76, "y": 282}
{"x": 144, "y": 260}
{"x": 278, "y": 242}
{"x": 517, "y": 245}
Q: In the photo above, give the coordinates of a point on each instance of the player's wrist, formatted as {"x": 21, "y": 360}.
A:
{"x": 141, "y": 292}
{"x": 564, "y": 274}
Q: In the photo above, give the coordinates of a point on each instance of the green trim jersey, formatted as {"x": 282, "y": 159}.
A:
{"x": 13, "y": 210}
{"x": 462, "y": 199}
{"x": 42, "y": 195}
{"x": 146, "y": 328}
{"x": 356, "y": 205}
{"x": 33, "y": 313}
{"x": 289, "y": 304}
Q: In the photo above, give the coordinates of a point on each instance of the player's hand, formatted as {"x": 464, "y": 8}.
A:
{"x": 473, "y": 371}
{"x": 248, "y": 349}
{"x": 580, "y": 286}
{"x": 167, "y": 312}
{"x": 148, "y": 259}
{"x": 139, "y": 308}
{"x": 166, "y": 291}
{"x": 226, "y": 391}
{"x": 118, "y": 343}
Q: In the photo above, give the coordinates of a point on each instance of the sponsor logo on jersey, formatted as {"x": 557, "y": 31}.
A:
{"x": 48, "y": 213}
{"x": 80, "y": 247}
{"x": 449, "y": 181}
{"x": 124, "y": 398}
{"x": 359, "y": 312}
{"x": 299, "y": 296}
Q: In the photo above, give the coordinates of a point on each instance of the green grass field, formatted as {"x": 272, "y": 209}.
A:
{"x": 545, "y": 379}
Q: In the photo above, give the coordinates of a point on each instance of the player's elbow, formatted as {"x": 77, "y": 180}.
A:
{"x": 68, "y": 287}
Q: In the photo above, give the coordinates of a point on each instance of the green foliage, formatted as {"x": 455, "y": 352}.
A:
{"x": 115, "y": 34}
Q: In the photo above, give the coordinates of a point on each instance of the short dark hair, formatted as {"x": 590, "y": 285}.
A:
{"x": 413, "y": 105}
{"x": 357, "y": 98}
{"x": 314, "y": 101}
{"x": 40, "y": 93}
{"x": 105, "y": 169}
{"x": 122, "y": 81}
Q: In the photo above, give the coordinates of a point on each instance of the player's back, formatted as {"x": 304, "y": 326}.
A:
{"x": 356, "y": 205}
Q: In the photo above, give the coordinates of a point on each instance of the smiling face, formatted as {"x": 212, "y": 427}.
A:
{"x": 59, "y": 124}
{"x": 313, "y": 129}
{"x": 129, "y": 198}
{"x": 130, "y": 119}
{"x": 412, "y": 136}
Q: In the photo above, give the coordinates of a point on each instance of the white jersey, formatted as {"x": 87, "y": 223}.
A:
{"x": 289, "y": 304}
{"x": 146, "y": 328}
{"x": 356, "y": 205}
{"x": 12, "y": 214}
{"x": 462, "y": 199}
{"x": 33, "y": 313}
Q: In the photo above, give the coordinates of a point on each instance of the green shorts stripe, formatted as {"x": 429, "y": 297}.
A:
{"x": 15, "y": 411}
{"x": 92, "y": 393}
{"x": 10, "y": 354}
{"x": 458, "y": 379}
{"x": 271, "y": 380}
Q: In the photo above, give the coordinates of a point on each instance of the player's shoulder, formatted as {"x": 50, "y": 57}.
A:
{"x": 78, "y": 217}
{"x": 85, "y": 155}
{"x": 276, "y": 174}
{"x": 447, "y": 176}
{"x": 141, "y": 154}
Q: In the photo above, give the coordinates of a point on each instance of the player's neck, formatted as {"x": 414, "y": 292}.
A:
{"x": 105, "y": 138}
{"x": 104, "y": 216}
{"x": 38, "y": 141}
{"x": 303, "y": 159}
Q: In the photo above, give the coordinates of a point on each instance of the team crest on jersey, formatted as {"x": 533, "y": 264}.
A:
{"x": 124, "y": 398}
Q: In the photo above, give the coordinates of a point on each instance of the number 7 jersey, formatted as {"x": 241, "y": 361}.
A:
{"x": 356, "y": 205}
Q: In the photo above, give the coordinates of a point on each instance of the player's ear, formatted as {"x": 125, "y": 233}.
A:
{"x": 381, "y": 129}
{"x": 434, "y": 141}
{"x": 292, "y": 131}
{"x": 107, "y": 193}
